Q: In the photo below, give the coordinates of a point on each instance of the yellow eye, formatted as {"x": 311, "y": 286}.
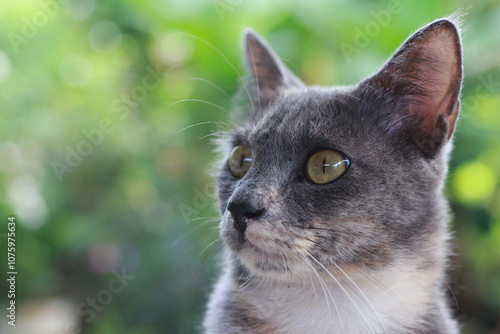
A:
{"x": 240, "y": 160}
{"x": 325, "y": 166}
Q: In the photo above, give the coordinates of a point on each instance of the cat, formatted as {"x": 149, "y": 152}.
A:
{"x": 333, "y": 214}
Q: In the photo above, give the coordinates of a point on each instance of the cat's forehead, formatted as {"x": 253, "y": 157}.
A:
{"x": 307, "y": 114}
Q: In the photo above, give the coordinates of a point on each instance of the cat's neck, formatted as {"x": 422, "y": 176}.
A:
{"x": 387, "y": 301}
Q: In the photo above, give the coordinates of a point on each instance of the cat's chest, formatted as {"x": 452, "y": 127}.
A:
{"x": 377, "y": 305}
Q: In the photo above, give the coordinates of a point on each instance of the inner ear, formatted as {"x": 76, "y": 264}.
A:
{"x": 424, "y": 79}
{"x": 270, "y": 77}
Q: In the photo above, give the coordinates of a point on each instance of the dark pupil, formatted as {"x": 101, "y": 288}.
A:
{"x": 324, "y": 165}
{"x": 242, "y": 159}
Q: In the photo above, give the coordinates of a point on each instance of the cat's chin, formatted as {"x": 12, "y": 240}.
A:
{"x": 263, "y": 263}
{"x": 259, "y": 260}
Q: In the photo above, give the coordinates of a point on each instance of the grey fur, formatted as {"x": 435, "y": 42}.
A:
{"x": 384, "y": 217}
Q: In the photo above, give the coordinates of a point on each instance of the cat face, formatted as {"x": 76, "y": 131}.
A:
{"x": 341, "y": 177}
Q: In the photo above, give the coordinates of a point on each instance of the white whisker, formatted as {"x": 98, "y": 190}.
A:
{"x": 344, "y": 290}
{"x": 324, "y": 287}
{"x": 191, "y": 231}
{"x": 201, "y": 123}
{"x": 369, "y": 303}
{"x": 226, "y": 60}
{"x": 198, "y": 100}
{"x": 210, "y": 244}
{"x": 382, "y": 286}
{"x": 216, "y": 87}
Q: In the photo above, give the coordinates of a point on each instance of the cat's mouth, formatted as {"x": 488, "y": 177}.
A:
{"x": 262, "y": 262}
{"x": 259, "y": 246}
{"x": 254, "y": 252}
{"x": 267, "y": 246}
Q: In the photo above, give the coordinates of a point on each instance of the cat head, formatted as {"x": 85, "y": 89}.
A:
{"x": 341, "y": 176}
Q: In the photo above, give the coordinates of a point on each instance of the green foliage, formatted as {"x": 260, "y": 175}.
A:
{"x": 107, "y": 113}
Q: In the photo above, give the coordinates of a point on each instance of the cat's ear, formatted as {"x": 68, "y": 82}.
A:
{"x": 424, "y": 77}
{"x": 270, "y": 77}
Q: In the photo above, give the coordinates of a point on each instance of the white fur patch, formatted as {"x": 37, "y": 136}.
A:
{"x": 378, "y": 302}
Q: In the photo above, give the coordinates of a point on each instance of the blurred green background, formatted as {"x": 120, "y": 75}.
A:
{"x": 107, "y": 108}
